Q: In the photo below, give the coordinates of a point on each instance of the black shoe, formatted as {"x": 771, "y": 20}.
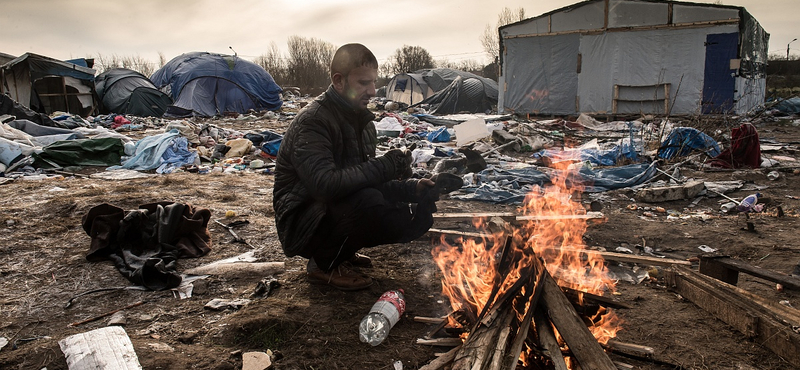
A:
{"x": 446, "y": 182}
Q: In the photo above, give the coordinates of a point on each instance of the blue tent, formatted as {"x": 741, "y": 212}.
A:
{"x": 206, "y": 84}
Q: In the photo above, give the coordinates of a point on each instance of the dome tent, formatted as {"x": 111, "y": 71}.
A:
{"x": 207, "y": 84}
{"x": 446, "y": 90}
{"x": 125, "y": 91}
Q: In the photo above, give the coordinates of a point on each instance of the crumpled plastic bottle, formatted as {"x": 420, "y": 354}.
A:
{"x": 750, "y": 204}
{"x": 374, "y": 328}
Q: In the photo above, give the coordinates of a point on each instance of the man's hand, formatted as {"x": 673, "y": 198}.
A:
{"x": 401, "y": 161}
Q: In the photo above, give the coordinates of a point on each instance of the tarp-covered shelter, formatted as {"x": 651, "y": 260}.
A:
{"x": 473, "y": 95}
{"x": 48, "y": 85}
{"x": 126, "y": 91}
{"x": 449, "y": 90}
{"x": 634, "y": 56}
{"x": 206, "y": 84}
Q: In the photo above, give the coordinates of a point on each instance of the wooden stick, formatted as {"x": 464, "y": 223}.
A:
{"x": 442, "y": 360}
{"x": 109, "y": 313}
{"x": 547, "y": 339}
{"x": 430, "y": 320}
{"x": 445, "y": 342}
{"x": 636, "y": 349}
{"x": 580, "y": 340}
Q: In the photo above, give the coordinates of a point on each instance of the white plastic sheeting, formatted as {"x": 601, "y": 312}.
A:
{"x": 565, "y": 61}
{"x": 644, "y": 58}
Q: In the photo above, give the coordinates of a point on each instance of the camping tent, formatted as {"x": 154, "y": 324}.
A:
{"x": 125, "y": 91}
{"x": 48, "y": 85}
{"x": 634, "y": 56}
{"x": 207, "y": 84}
{"x": 408, "y": 88}
{"x": 465, "y": 91}
{"x": 463, "y": 95}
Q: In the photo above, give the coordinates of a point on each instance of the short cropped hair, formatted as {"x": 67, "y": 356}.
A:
{"x": 351, "y": 56}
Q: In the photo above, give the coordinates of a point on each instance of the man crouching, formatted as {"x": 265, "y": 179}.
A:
{"x": 332, "y": 195}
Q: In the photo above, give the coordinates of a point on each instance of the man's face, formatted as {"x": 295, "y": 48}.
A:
{"x": 358, "y": 87}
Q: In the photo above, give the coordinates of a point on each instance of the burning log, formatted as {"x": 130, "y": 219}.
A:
{"x": 580, "y": 340}
{"x": 511, "y": 303}
{"x": 548, "y": 339}
{"x": 503, "y": 326}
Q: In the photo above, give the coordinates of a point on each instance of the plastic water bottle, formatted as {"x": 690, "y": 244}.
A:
{"x": 749, "y": 203}
{"x": 382, "y": 316}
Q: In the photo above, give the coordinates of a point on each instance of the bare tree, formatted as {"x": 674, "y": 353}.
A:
{"x": 104, "y": 63}
{"x": 309, "y": 63}
{"x": 275, "y": 64}
{"x": 468, "y": 65}
{"x": 411, "y": 58}
{"x": 490, "y": 39}
{"x": 162, "y": 60}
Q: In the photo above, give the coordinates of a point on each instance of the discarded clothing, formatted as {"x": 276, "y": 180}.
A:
{"x": 440, "y": 135}
{"x": 683, "y": 140}
{"x": 81, "y": 152}
{"x": 268, "y": 141}
{"x": 176, "y": 155}
{"x": 145, "y": 244}
{"x": 745, "y": 149}
{"x": 149, "y": 152}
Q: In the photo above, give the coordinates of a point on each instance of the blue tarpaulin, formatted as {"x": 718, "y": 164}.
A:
{"x": 788, "y": 106}
{"x": 511, "y": 186}
{"x": 684, "y": 140}
{"x": 211, "y": 84}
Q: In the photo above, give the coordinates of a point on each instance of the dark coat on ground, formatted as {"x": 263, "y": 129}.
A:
{"x": 327, "y": 153}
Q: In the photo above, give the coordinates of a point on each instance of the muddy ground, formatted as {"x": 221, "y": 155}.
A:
{"x": 43, "y": 265}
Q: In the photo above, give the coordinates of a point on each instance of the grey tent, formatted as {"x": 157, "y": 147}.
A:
{"x": 458, "y": 91}
{"x": 48, "y": 85}
{"x": 446, "y": 90}
{"x": 634, "y": 57}
{"x": 125, "y": 91}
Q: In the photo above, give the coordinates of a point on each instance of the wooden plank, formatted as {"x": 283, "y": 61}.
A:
{"x": 571, "y": 327}
{"x": 508, "y": 216}
{"x": 548, "y": 339}
{"x": 767, "y": 327}
{"x": 608, "y": 256}
{"x": 511, "y": 217}
{"x": 728, "y": 263}
{"x": 587, "y": 216}
{"x": 442, "y": 360}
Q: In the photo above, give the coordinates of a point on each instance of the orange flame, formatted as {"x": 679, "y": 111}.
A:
{"x": 555, "y": 233}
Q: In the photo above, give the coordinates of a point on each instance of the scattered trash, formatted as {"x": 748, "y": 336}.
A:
{"x": 706, "y": 249}
{"x": 773, "y": 175}
{"x": 105, "y": 348}
{"x": 256, "y": 361}
{"x": 750, "y": 204}
{"x": 221, "y": 304}
{"x": 264, "y": 287}
{"x": 3, "y": 342}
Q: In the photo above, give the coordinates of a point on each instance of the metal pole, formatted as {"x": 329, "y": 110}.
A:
{"x": 787, "y": 48}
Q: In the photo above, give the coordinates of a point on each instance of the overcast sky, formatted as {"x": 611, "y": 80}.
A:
{"x": 65, "y": 29}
